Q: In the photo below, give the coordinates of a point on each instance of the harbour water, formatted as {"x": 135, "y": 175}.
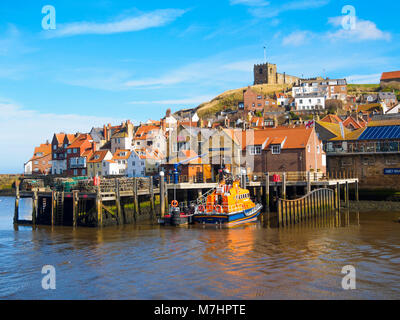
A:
{"x": 247, "y": 262}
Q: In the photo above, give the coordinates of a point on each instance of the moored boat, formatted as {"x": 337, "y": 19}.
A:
{"x": 227, "y": 204}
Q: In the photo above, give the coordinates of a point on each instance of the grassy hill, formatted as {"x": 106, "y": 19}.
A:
{"x": 231, "y": 98}
{"x": 363, "y": 88}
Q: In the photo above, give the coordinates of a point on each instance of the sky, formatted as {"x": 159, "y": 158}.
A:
{"x": 101, "y": 61}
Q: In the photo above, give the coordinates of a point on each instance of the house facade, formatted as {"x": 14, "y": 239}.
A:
{"x": 59, "y": 145}
{"x": 78, "y": 153}
{"x": 95, "y": 162}
{"x": 40, "y": 163}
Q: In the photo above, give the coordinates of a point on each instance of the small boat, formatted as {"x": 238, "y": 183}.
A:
{"x": 227, "y": 204}
{"x": 177, "y": 216}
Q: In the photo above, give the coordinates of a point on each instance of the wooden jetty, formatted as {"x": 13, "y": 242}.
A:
{"x": 291, "y": 195}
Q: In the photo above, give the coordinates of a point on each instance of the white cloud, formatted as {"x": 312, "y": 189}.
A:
{"x": 208, "y": 71}
{"x": 364, "y": 30}
{"x": 152, "y": 19}
{"x": 23, "y": 129}
{"x": 270, "y": 12}
{"x": 364, "y": 78}
{"x": 251, "y": 3}
{"x": 188, "y": 101}
{"x": 297, "y": 38}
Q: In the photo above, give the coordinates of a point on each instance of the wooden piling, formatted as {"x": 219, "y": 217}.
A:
{"x": 308, "y": 181}
{"x": 356, "y": 191}
{"x": 75, "y": 200}
{"x": 266, "y": 192}
{"x": 280, "y": 213}
{"x": 136, "y": 208}
{"x": 16, "y": 206}
{"x": 118, "y": 202}
{"x": 338, "y": 195}
{"x": 347, "y": 194}
{"x": 34, "y": 207}
{"x": 99, "y": 208}
{"x": 284, "y": 186}
{"x": 162, "y": 194}
{"x": 152, "y": 201}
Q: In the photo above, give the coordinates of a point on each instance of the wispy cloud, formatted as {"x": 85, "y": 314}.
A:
{"x": 188, "y": 101}
{"x": 363, "y": 30}
{"x": 211, "y": 70}
{"x": 12, "y": 42}
{"x": 273, "y": 11}
{"x": 35, "y": 128}
{"x": 297, "y": 38}
{"x": 251, "y": 3}
{"x": 157, "y": 18}
{"x": 364, "y": 78}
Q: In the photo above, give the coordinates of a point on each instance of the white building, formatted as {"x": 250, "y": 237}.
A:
{"x": 150, "y": 137}
{"x": 143, "y": 162}
{"x": 330, "y": 88}
{"x": 310, "y": 101}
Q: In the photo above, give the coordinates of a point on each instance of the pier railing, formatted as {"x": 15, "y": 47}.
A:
{"x": 316, "y": 203}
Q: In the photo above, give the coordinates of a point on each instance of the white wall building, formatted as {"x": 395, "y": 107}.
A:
{"x": 143, "y": 163}
{"x": 310, "y": 102}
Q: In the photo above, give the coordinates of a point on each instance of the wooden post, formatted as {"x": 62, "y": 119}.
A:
{"x": 308, "y": 181}
{"x": 75, "y": 200}
{"x": 284, "y": 213}
{"x": 152, "y": 202}
{"x": 53, "y": 206}
{"x": 356, "y": 191}
{"x": 16, "y": 207}
{"x": 338, "y": 195}
{"x": 118, "y": 202}
{"x": 266, "y": 192}
{"x": 347, "y": 194}
{"x": 34, "y": 207}
{"x": 279, "y": 213}
{"x": 284, "y": 185}
{"x": 99, "y": 208}
{"x": 136, "y": 208}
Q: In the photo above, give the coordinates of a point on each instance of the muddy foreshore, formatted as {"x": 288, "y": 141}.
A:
{"x": 369, "y": 205}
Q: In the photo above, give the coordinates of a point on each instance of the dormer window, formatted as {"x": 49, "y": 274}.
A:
{"x": 276, "y": 149}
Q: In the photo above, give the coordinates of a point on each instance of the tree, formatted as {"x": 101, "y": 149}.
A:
{"x": 333, "y": 105}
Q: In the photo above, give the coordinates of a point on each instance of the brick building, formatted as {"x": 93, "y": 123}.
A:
{"x": 78, "y": 153}
{"x": 390, "y": 79}
{"x": 371, "y": 153}
{"x": 257, "y": 102}
{"x": 40, "y": 163}
{"x": 282, "y": 149}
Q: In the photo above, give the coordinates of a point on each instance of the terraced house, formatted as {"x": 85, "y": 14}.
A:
{"x": 95, "y": 162}
{"x": 59, "y": 145}
{"x": 40, "y": 163}
{"x": 78, "y": 153}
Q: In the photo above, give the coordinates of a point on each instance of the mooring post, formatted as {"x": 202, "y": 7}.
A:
{"x": 99, "y": 208}
{"x": 152, "y": 203}
{"x": 356, "y": 191}
{"x": 118, "y": 202}
{"x": 53, "y": 206}
{"x": 34, "y": 207}
{"x": 347, "y": 195}
{"x": 162, "y": 194}
{"x": 16, "y": 208}
{"x": 338, "y": 195}
{"x": 75, "y": 200}
{"x": 284, "y": 186}
{"x": 135, "y": 199}
{"x": 308, "y": 181}
{"x": 266, "y": 192}
{"x": 279, "y": 213}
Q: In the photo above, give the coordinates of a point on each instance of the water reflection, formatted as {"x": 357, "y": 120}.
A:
{"x": 247, "y": 262}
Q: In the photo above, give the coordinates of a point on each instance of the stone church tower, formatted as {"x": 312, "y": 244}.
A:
{"x": 267, "y": 73}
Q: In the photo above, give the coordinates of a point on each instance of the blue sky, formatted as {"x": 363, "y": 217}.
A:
{"x": 112, "y": 60}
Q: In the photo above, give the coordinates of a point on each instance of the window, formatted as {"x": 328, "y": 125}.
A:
{"x": 54, "y": 147}
{"x": 75, "y": 172}
{"x": 36, "y": 162}
{"x": 308, "y": 148}
{"x": 83, "y": 172}
{"x": 54, "y": 156}
{"x": 259, "y": 97}
{"x": 318, "y": 149}
{"x": 255, "y": 150}
{"x": 301, "y": 101}
{"x": 75, "y": 150}
{"x": 276, "y": 149}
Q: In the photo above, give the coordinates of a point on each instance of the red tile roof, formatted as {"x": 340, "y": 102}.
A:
{"x": 80, "y": 140}
{"x": 332, "y": 118}
{"x": 98, "y": 156}
{"x": 390, "y": 75}
{"x": 118, "y": 156}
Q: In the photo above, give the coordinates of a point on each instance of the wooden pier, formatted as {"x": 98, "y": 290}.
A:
{"x": 291, "y": 195}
